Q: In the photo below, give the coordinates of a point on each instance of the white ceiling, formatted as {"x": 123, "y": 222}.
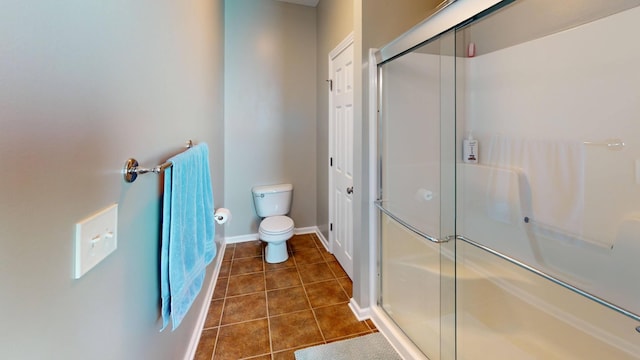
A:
{"x": 312, "y": 3}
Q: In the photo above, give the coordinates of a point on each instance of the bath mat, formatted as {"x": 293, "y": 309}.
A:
{"x": 371, "y": 347}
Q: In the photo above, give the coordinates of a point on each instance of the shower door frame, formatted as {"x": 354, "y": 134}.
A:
{"x": 449, "y": 16}
{"x": 438, "y": 243}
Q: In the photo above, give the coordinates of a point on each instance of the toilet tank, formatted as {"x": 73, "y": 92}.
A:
{"x": 272, "y": 200}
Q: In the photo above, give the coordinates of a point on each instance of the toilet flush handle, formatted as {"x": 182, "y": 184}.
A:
{"x": 350, "y": 190}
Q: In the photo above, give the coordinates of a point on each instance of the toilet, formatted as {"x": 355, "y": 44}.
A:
{"x": 272, "y": 203}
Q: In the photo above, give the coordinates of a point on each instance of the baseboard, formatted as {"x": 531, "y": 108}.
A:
{"x": 360, "y": 313}
{"x": 306, "y": 230}
{"x": 296, "y": 231}
{"x": 202, "y": 316}
{"x": 323, "y": 240}
{"x": 240, "y": 238}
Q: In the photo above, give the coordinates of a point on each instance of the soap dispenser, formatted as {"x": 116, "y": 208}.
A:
{"x": 470, "y": 150}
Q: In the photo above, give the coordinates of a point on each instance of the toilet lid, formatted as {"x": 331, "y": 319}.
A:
{"x": 276, "y": 224}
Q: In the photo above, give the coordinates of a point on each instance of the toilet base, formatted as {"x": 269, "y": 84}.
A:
{"x": 276, "y": 252}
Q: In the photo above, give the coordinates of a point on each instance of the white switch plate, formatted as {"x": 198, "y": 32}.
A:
{"x": 96, "y": 237}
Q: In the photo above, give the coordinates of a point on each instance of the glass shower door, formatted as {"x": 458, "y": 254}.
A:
{"x": 417, "y": 194}
{"x": 548, "y": 218}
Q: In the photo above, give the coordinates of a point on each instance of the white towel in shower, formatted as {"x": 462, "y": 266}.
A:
{"x": 553, "y": 198}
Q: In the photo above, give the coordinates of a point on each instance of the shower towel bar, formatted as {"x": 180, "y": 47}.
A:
{"x": 378, "y": 204}
{"x": 132, "y": 170}
{"x": 611, "y": 144}
{"x": 553, "y": 279}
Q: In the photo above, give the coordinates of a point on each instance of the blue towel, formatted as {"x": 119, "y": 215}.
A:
{"x": 188, "y": 231}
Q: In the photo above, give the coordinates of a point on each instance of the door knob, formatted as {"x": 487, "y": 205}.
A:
{"x": 350, "y": 190}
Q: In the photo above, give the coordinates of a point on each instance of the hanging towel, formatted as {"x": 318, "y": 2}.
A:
{"x": 187, "y": 232}
{"x": 554, "y": 173}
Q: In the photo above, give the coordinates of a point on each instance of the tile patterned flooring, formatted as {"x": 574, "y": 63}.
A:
{"x": 267, "y": 311}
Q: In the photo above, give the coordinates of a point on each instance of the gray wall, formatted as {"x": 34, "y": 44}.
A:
{"x": 334, "y": 22}
{"x": 84, "y": 85}
{"x": 270, "y": 107}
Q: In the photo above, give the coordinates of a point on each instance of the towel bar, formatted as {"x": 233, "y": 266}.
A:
{"x": 132, "y": 170}
{"x": 611, "y": 144}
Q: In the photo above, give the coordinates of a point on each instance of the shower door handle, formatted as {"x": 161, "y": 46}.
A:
{"x": 350, "y": 190}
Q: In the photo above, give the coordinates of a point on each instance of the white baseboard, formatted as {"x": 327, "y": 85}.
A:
{"x": 360, "y": 313}
{"x": 202, "y": 316}
{"x": 240, "y": 238}
{"x": 323, "y": 240}
{"x": 306, "y": 230}
{"x": 254, "y": 236}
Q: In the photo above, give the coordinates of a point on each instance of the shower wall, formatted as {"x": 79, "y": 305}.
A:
{"x": 554, "y": 189}
{"x": 553, "y": 94}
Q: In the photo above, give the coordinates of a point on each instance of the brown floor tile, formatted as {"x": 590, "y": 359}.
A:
{"x": 225, "y": 268}
{"x": 243, "y": 340}
{"x": 348, "y": 337}
{"x": 282, "y": 278}
{"x": 228, "y": 252}
{"x": 347, "y": 285}
{"x": 328, "y": 257}
{"x": 244, "y": 308}
{"x": 261, "y": 357}
{"x": 290, "y": 263}
{"x": 249, "y": 289}
{"x": 246, "y": 265}
{"x": 338, "y": 321}
{"x": 287, "y": 300}
{"x": 325, "y": 293}
{"x": 220, "y": 290}
{"x": 206, "y": 344}
{"x": 248, "y": 249}
{"x": 308, "y": 256}
{"x": 315, "y": 272}
{"x": 371, "y": 325}
{"x": 245, "y": 284}
{"x": 214, "y": 314}
{"x": 301, "y": 242}
{"x": 294, "y": 330}
{"x": 317, "y": 240}
{"x": 338, "y": 271}
{"x": 284, "y": 355}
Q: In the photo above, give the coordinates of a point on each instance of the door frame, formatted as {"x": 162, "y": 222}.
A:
{"x": 343, "y": 45}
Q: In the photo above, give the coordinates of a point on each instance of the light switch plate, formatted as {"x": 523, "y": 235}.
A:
{"x": 96, "y": 238}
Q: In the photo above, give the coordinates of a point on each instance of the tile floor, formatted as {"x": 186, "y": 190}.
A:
{"x": 267, "y": 311}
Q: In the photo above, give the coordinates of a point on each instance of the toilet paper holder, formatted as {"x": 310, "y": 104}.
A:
{"x": 222, "y": 215}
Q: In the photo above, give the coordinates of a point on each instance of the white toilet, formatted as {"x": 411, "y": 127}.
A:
{"x": 272, "y": 203}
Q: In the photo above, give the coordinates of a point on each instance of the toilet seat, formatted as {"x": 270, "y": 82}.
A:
{"x": 275, "y": 231}
{"x": 276, "y": 225}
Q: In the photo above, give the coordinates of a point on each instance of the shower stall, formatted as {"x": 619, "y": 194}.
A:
{"x": 508, "y": 182}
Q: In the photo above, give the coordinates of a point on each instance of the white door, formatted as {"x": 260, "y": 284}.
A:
{"x": 341, "y": 154}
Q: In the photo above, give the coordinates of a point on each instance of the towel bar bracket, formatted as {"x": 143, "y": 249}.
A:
{"x": 132, "y": 170}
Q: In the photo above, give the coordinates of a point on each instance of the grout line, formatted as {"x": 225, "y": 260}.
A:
{"x": 243, "y": 321}
{"x": 324, "y": 339}
{"x": 302, "y": 346}
{"x": 266, "y": 300}
{"x": 224, "y": 302}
